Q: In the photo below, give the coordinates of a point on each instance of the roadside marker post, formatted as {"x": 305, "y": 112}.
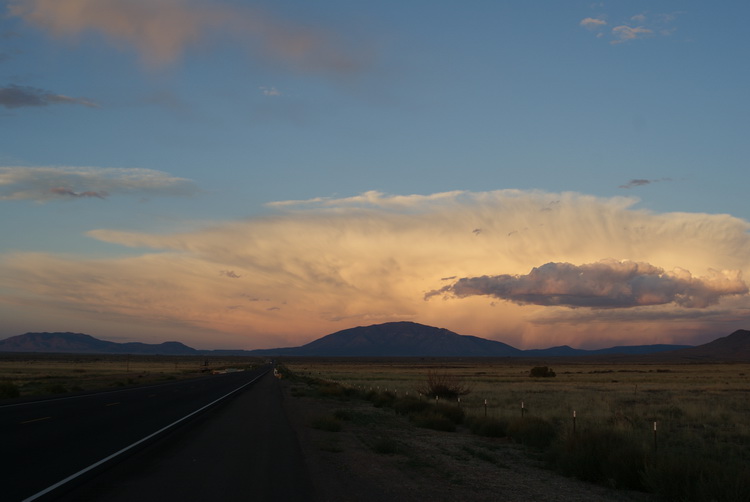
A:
{"x": 574, "y": 422}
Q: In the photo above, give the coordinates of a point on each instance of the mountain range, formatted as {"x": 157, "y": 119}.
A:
{"x": 395, "y": 339}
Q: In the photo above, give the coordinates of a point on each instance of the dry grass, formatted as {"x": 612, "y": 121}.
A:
{"x": 43, "y": 374}
{"x": 701, "y": 411}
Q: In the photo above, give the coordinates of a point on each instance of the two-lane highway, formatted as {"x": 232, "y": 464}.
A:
{"x": 44, "y": 442}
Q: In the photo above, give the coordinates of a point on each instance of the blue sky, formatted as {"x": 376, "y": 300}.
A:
{"x": 139, "y": 132}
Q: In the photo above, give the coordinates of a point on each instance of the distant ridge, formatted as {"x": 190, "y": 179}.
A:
{"x": 394, "y": 339}
{"x": 78, "y": 343}
{"x": 730, "y": 348}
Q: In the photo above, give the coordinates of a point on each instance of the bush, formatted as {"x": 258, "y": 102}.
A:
{"x": 382, "y": 399}
{"x": 541, "y": 372}
{"x": 443, "y": 385}
{"x": 532, "y": 431}
{"x": 602, "y": 456}
{"x": 452, "y": 412}
{"x": 409, "y": 405}
{"x": 488, "y": 427}
{"x": 8, "y": 390}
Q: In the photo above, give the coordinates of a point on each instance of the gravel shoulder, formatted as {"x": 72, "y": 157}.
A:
{"x": 378, "y": 455}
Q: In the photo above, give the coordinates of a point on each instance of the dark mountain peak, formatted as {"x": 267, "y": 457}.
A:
{"x": 403, "y": 339}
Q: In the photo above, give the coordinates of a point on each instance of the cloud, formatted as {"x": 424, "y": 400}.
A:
{"x": 592, "y": 23}
{"x": 330, "y": 263}
{"x": 624, "y": 33}
{"x": 48, "y": 183}
{"x": 70, "y": 193}
{"x": 17, "y": 96}
{"x": 270, "y": 91}
{"x": 230, "y": 273}
{"x": 161, "y": 31}
{"x": 642, "y": 182}
{"x": 605, "y": 284}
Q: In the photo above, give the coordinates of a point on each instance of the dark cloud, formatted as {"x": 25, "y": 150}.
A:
{"x": 606, "y": 284}
{"x": 641, "y": 182}
{"x": 230, "y": 274}
{"x": 19, "y": 96}
{"x": 70, "y": 193}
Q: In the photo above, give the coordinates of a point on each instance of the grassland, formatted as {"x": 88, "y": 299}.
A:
{"x": 27, "y": 375}
{"x": 700, "y": 449}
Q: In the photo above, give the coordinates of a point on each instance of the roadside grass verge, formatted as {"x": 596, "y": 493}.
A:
{"x": 702, "y": 451}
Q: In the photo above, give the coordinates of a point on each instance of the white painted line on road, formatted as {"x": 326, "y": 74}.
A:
{"x": 120, "y": 452}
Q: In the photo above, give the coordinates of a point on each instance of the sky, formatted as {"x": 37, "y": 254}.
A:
{"x": 258, "y": 174}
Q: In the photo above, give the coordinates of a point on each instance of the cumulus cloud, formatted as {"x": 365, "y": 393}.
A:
{"x": 605, "y": 284}
{"x": 161, "y": 31}
{"x": 328, "y": 264}
{"x": 48, "y": 183}
{"x": 17, "y": 96}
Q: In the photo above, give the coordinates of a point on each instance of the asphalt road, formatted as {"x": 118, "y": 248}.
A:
{"x": 244, "y": 450}
{"x": 44, "y": 442}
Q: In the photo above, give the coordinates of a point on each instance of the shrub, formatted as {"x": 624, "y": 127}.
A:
{"x": 604, "y": 456}
{"x": 8, "y": 390}
{"x": 532, "y": 431}
{"x": 488, "y": 427}
{"x": 452, "y": 412}
{"x": 382, "y": 399}
{"x": 409, "y": 405}
{"x": 541, "y": 372}
{"x": 443, "y": 385}
{"x": 433, "y": 420}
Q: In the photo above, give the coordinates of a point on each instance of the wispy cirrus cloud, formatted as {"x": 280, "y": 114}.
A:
{"x": 19, "y": 96}
{"x": 161, "y": 31}
{"x": 49, "y": 183}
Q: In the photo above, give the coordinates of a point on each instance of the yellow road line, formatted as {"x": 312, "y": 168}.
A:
{"x": 35, "y": 420}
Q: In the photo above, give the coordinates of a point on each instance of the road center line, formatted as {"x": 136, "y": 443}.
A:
{"x": 35, "y": 420}
{"x": 120, "y": 452}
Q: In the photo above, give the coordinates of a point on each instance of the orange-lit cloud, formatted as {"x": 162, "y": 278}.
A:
{"x": 161, "y": 31}
{"x": 323, "y": 265}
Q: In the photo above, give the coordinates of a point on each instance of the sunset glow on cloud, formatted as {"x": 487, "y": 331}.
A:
{"x": 490, "y": 264}
{"x": 235, "y": 174}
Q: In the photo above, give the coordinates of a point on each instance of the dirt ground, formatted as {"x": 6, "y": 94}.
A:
{"x": 379, "y": 456}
